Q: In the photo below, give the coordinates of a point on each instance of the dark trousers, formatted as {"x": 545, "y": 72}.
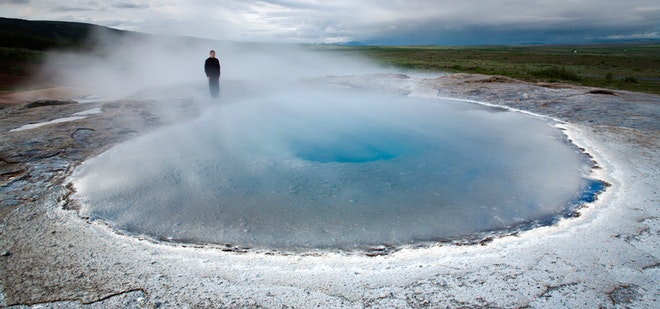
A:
{"x": 214, "y": 87}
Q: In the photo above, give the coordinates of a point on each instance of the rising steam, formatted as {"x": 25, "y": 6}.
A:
{"x": 280, "y": 161}
{"x": 116, "y": 65}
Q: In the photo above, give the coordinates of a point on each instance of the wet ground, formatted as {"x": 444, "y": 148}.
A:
{"x": 607, "y": 257}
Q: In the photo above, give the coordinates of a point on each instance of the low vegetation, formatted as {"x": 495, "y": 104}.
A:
{"x": 634, "y": 67}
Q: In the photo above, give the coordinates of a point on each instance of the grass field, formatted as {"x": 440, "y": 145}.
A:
{"x": 634, "y": 67}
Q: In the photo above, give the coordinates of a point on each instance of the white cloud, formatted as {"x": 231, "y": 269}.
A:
{"x": 634, "y": 36}
{"x": 323, "y": 21}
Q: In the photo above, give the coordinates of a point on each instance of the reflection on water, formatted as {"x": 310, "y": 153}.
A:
{"x": 326, "y": 169}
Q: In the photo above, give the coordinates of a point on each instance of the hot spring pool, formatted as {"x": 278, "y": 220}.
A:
{"x": 337, "y": 170}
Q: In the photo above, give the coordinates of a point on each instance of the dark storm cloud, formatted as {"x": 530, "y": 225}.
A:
{"x": 65, "y": 9}
{"x": 483, "y": 35}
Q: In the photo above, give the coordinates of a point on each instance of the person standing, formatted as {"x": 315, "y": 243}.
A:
{"x": 212, "y": 70}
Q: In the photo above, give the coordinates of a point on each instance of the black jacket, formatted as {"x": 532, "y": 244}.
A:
{"x": 212, "y": 67}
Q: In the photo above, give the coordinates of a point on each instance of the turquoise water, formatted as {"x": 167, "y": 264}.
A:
{"x": 329, "y": 169}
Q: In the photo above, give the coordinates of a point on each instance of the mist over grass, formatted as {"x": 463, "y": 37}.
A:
{"x": 114, "y": 65}
{"x": 632, "y": 66}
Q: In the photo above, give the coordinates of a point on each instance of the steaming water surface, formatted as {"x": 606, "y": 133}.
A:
{"x": 326, "y": 169}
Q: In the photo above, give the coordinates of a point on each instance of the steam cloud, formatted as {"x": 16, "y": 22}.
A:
{"x": 120, "y": 65}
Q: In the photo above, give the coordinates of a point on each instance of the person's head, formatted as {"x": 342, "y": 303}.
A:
{"x": 212, "y": 53}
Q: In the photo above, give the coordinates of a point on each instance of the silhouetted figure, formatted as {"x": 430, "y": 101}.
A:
{"x": 212, "y": 70}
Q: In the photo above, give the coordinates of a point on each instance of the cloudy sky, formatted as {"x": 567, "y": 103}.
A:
{"x": 400, "y": 22}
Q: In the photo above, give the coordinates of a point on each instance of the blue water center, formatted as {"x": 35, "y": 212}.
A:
{"x": 355, "y": 146}
{"x": 337, "y": 169}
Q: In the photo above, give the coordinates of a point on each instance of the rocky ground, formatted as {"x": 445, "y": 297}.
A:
{"x": 608, "y": 257}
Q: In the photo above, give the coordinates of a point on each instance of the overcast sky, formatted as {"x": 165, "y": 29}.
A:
{"x": 400, "y": 22}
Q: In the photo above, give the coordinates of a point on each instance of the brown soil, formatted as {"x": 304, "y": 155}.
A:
{"x": 55, "y": 93}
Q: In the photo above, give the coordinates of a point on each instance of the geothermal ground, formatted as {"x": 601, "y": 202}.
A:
{"x": 51, "y": 257}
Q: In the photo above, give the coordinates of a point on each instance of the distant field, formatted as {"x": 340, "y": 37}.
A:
{"x": 634, "y": 67}
{"x": 17, "y": 66}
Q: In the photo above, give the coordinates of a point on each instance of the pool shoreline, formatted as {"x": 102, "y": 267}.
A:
{"x": 606, "y": 257}
{"x": 290, "y": 174}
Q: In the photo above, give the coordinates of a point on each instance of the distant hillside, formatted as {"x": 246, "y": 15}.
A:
{"x": 23, "y": 44}
{"x": 45, "y": 35}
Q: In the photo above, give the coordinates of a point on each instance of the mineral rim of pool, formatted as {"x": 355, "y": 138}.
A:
{"x": 337, "y": 170}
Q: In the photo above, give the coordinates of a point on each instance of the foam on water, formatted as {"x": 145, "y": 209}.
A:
{"x": 329, "y": 169}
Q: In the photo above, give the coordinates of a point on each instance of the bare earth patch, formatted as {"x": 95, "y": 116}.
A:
{"x": 56, "y": 93}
